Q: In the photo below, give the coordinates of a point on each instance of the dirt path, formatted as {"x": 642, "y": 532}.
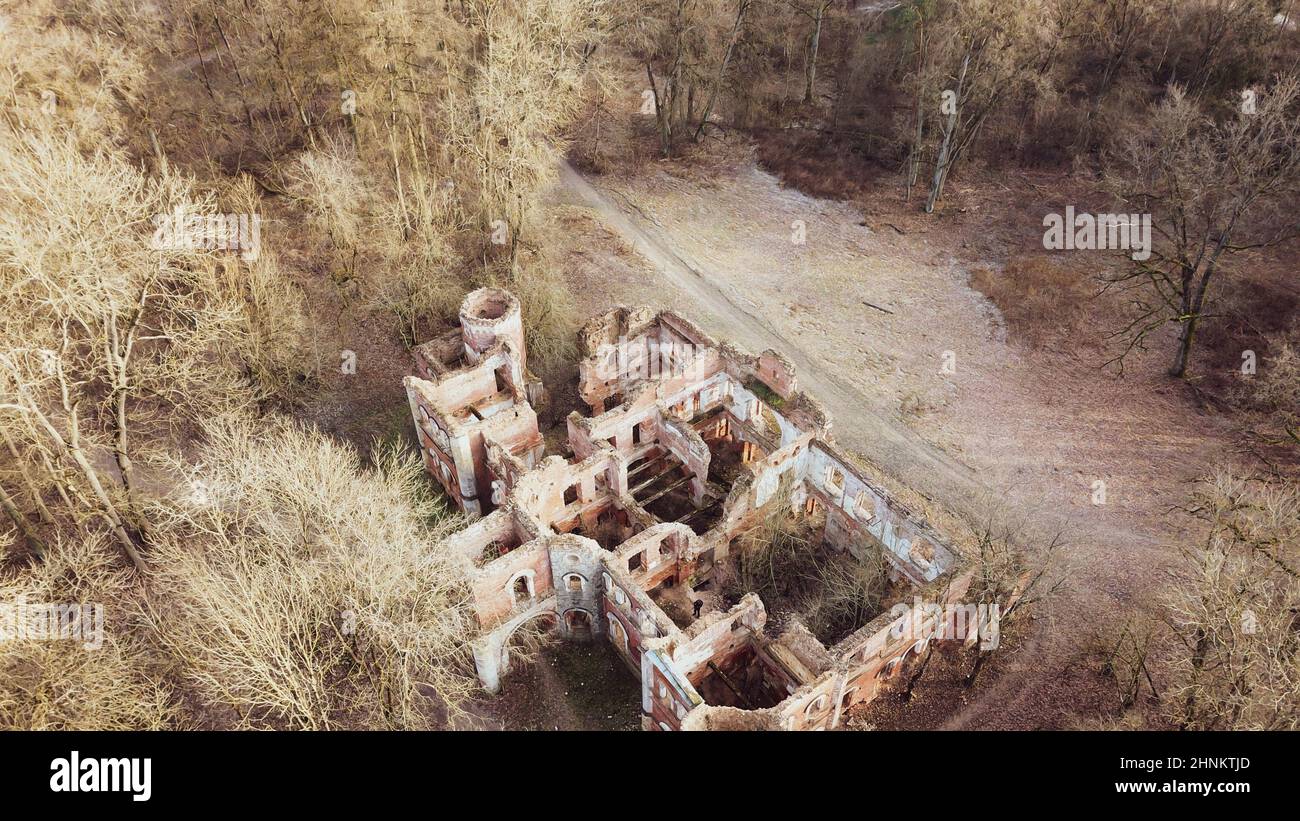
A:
{"x": 732, "y": 315}
{"x": 1003, "y": 430}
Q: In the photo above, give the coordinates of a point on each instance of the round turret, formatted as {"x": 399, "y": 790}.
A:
{"x": 487, "y": 316}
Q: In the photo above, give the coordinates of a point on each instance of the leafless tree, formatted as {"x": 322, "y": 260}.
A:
{"x": 1211, "y": 188}
{"x": 296, "y": 589}
{"x": 686, "y": 47}
{"x": 1233, "y": 610}
{"x": 984, "y": 52}
{"x": 1013, "y": 576}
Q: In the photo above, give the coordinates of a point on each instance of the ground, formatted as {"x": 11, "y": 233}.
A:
{"x": 571, "y": 686}
{"x": 870, "y": 308}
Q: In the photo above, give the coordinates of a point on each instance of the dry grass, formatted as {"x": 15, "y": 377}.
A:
{"x": 66, "y": 685}
{"x": 1041, "y": 302}
{"x": 1275, "y": 388}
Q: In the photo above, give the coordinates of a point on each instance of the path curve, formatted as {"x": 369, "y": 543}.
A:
{"x": 860, "y": 421}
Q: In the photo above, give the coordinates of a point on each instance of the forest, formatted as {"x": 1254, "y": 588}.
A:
{"x": 224, "y": 226}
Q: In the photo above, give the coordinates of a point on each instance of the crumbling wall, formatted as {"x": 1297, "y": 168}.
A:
{"x": 525, "y": 562}
{"x": 777, "y": 372}
{"x": 489, "y": 316}
{"x": 439, "y": 355}
{"x": 491, "y": 650}
{"x": 860, "y": 516}
{"x": 718, "y": 634}
{"x": 576, "y": 565}
{"x": 630, "y": 616}
{"x": 510, "y": 583}
{"x": 666, "y": 696}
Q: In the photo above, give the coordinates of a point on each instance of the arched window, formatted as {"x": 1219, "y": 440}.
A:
{"x": 575, "y": 583}
{"x": 617, "y": 633}
{"x": 578, "y": 619}
{"x": 847, "y": 701}
{"x": 521, "y": 587}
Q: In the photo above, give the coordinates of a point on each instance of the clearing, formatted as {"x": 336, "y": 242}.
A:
{"x": 870, "y": 313}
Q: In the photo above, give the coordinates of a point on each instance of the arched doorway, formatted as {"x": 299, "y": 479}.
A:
{"x": 527, "y": 639}
{"x": 578, "y": 622}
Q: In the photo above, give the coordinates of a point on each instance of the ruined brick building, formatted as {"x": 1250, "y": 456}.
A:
{"x": 689, "y": 443}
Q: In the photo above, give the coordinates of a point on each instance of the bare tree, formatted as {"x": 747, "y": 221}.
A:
{"x": 686, "y": 48}
{"x": 1209, "y": 188}
{"x": 990, "y": 51}
{"x": 525, "y": 87}
{"x": 1112, "y": 29}
{"x": 1221, "y": 38}
{"x": 815, "y": 11}
{"x": 1233, "y": 610}
{"x": 108, "y": 338}
{"x": 1129, "y": 659}
{"x": 1012, "y": 578}
{"x": 107, "y": 677}
{"x": 297, "y": 590}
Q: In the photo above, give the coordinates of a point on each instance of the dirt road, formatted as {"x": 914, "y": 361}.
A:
{"x": 1037, "y": 435}
{"x": 729, "y": 314}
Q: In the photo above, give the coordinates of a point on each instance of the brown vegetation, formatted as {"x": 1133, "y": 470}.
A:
{"x": 1221, "y": 652}
{"x": 396, "y": 156}
{"x": 1040, "y": 301}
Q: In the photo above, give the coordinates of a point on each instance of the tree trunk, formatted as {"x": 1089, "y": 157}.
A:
{"x": 980, "y": 657}
{"x": 661, "y": 114}
{"x": 918, "y": 134}
{"x": 121, "y": 454}
{"x": 914, "y": 159}
{"x": 810, "y": 65}
{"x": 71, "y": 446}
{"x": 22, "y": 523}
{"x": 1181, "y": 355}
{"x": 1194, "y": 302}
{"x": 941, "y": 165}
{"x": 741, "y": 8}
{"x": 33, "y": 490}
{"x": 944, "y": 160}
{"x": 920, "y": 671}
